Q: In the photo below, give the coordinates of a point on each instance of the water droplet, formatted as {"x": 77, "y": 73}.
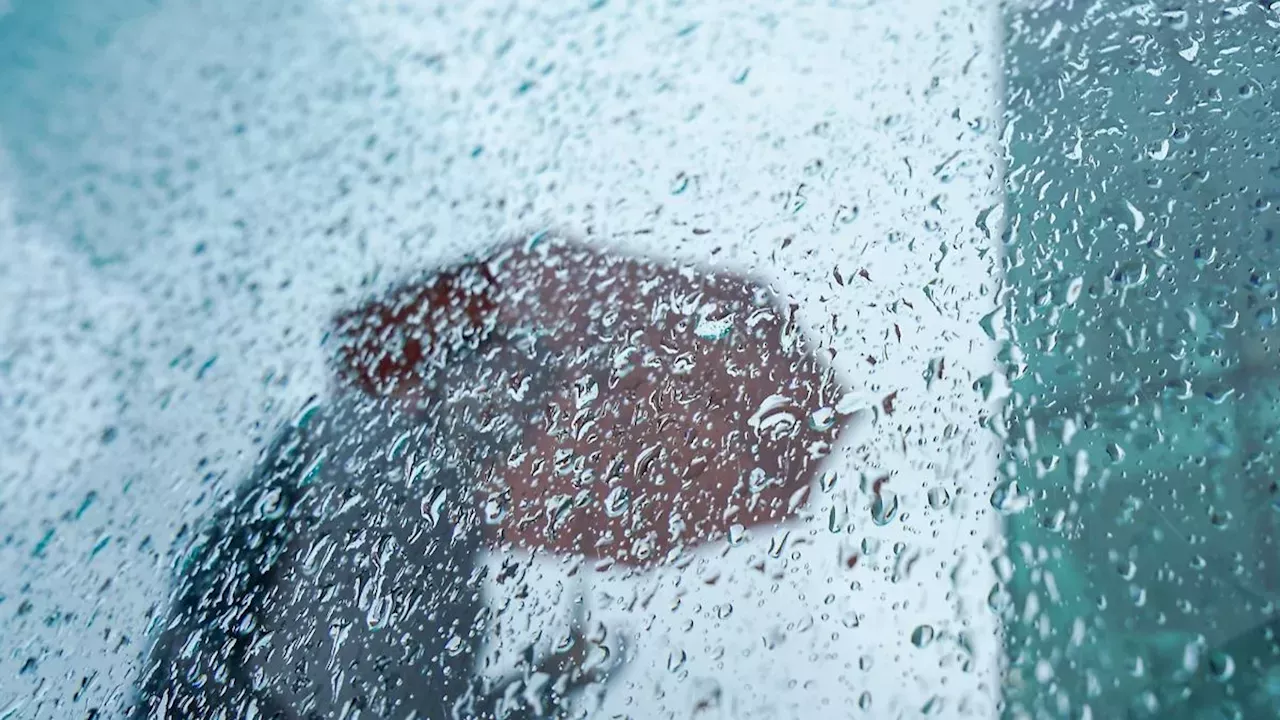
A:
{"x": 1221, "y": 666}
{"x": 1008, "y": 498}
{"x": 312, "y": 471}
{"x": 585, "y": 390}
{"x": 988, "y": 324}
{"x": 433, "y": 505}
{"x": 999, "y": 599}
{"x": 759, "y": 480}
{"x": 318, "y": 555}
{"x": 1190, "y": 52}
{"x": 271, "y": 504}
{"x": 774, "y": 419}
{"x": 99, "y": 546}
{"x": 710, "y": 327}
{"x": 456, "y": 645}
{"x": 676, "y": 660}
{"x": 1074, "y": 289}
{"x": 836, "y": 518}
{"x": 1192, "y": 653}
{"x": 1139, "y": 221}
{"x": 1219, "y": 394}
{"x": 939, "y": 498}
{"x": 397, "y": 447}
{"x": 1219, "y": 518}
{"x": 309, "y": 410}
{"x": 737, "y": 534}
{"x": 617, "y": 502}
{"x": 379, "y": 613}
{"x": 822, "y": 419}
{"x": 1130, "y": 274}
{"x": 884, "y": 508}
{"x": 778, "y": 543}
{"x": 922, "y": 636}
{"x": 495, "y": 510}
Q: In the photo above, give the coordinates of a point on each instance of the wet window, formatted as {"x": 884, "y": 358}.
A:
{"x": 1139, "y": 330}
{"x": 599, "y": 358}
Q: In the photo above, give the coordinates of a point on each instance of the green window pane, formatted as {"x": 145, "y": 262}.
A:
{"x": 1142, "y": 258}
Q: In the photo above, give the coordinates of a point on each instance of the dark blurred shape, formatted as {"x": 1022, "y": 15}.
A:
{"x": 571, "y": 400}
{"x": 677, "y": 403}
{"x": 397, "y": 345}
{"x": 686, "y": 403}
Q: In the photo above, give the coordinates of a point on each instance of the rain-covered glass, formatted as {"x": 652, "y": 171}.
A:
{"x": 639, "y": 359}
{"x": 1142, "y": 252}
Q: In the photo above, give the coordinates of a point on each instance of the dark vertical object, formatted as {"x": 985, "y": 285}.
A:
{"x": 329, "y": 563}
{"x": 344, "y": 575}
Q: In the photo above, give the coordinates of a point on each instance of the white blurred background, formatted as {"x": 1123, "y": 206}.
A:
{"x": 845, "y": 152}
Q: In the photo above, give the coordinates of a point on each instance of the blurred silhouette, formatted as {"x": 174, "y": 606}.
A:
{"x": 550, "y": 398}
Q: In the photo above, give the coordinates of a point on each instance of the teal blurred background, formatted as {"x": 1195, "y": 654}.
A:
{"x": 1143, "y": 255}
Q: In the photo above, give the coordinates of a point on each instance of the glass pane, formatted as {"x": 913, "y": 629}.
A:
{"x": 1140, "y": 468}
{"x": 501, "y": 359}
